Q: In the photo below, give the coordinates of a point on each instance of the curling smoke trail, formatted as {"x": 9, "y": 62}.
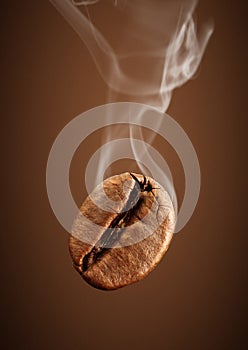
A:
{"x": 174, "y": 60}
{"x": 164, "y": 35}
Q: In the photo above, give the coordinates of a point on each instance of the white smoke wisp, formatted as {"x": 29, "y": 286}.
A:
{"x": 183, "y": 57}
{"x": 92, "y": 2}
{"x": 84, "y": 3}
{"x": 163, "y": 34}
{"x": 160, "y": 48}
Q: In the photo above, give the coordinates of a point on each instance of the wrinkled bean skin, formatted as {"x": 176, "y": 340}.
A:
{"x": 116, "y": 247}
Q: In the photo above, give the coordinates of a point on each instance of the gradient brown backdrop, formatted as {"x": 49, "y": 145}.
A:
{"x": 196, "y": 297}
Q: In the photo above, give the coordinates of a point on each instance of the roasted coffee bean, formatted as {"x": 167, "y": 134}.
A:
{"x": 123, "y": 230}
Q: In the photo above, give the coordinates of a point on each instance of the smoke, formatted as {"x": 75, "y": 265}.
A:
{"x": 159, "y": 48}
{"x": 91, "y": 2}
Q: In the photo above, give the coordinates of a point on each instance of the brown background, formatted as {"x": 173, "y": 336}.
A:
{"x": 196, "y": 297}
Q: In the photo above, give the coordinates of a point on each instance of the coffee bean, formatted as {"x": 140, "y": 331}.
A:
{"x": 122, "y": 231}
